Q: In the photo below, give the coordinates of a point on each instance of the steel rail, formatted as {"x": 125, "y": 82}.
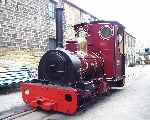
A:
{"x": 17, "y": 115}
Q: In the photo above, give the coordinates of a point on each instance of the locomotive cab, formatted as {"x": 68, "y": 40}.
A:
{"x": 106, "y": 38}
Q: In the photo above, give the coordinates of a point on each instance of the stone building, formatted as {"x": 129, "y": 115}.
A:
{"x": 30, "y": 24}
{"x": 130, "y": 49}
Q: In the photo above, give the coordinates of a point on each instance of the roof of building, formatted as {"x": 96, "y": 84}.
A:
{"x": 75, "y": 6}
{"x": 130, "y": 35}
{"x": 66, "y": 1}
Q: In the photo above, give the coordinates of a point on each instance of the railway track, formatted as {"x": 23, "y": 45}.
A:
{"x": 27, "y": 113}
{"x": 13, "y": 116}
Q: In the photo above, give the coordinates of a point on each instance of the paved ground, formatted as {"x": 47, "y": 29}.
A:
{"x": 129, "y": 103}
{"x": 10, "y": 101}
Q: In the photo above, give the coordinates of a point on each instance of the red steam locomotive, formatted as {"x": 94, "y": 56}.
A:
{"x": 88, "y": 66}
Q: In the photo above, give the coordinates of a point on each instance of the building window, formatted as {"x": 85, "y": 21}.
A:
{"x": 51, "y": 10}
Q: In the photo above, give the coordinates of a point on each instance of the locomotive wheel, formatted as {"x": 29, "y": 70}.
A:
{"x": 120, "y": 83}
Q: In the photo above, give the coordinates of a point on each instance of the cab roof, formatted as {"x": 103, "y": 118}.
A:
{"x": 101, "y": 21}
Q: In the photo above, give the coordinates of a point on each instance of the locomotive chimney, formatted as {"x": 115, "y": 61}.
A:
{"x": 59, "y": 24}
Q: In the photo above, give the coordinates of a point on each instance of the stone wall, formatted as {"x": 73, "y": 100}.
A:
{"x": 130, "y": 50}
{"x": 25, "y": 24}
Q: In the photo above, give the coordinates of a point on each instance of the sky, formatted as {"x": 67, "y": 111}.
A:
{"x": 133, "y": 14}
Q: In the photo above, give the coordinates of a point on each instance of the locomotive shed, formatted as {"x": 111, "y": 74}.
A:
{"x": 119, "y": 104}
